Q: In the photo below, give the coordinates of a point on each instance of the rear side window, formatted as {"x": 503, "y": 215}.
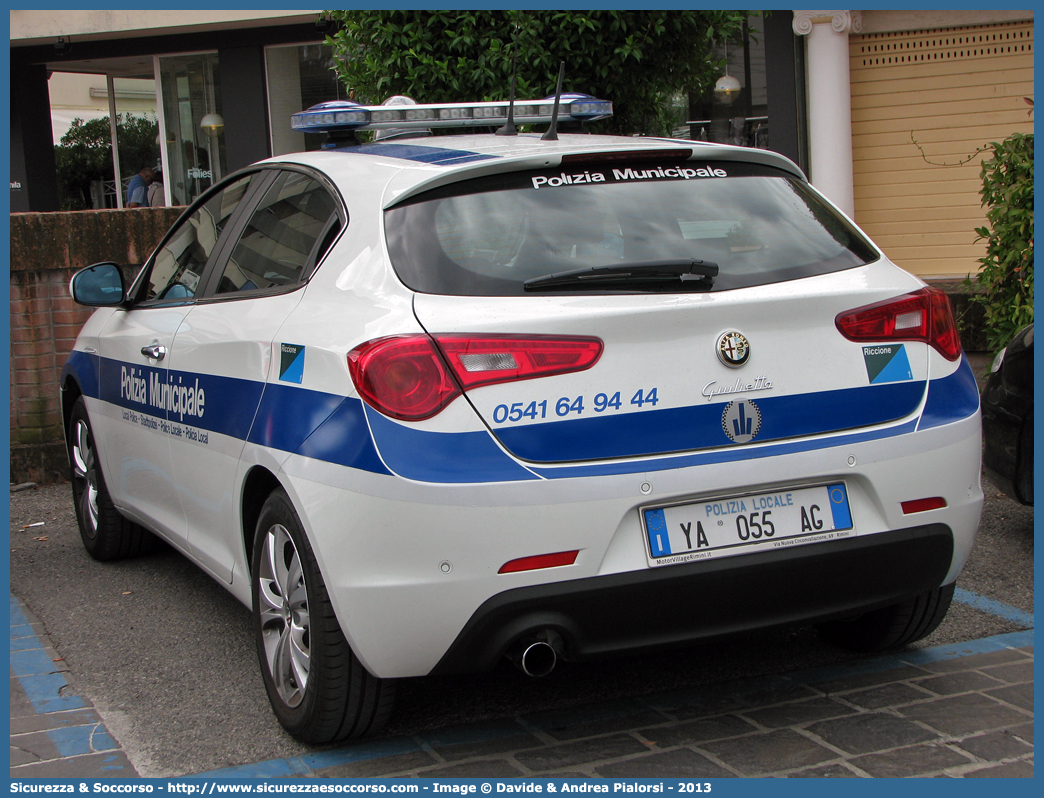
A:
{"x": 487, "y": 236}
{"x": 287, "y": 234}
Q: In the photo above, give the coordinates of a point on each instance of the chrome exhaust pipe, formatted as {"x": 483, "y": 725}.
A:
{"x": 538, "y": 659}
{"x": 536, "y": 656}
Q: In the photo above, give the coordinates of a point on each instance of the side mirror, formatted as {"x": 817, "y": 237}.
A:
{"x": 99, "y": 286}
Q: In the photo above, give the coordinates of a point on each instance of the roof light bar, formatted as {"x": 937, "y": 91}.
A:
{"x": 344, "y": 115}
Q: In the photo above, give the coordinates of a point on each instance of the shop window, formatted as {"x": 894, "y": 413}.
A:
{"x": 191, "y": 89}
{"x": 299, "y": 76}
{"x": 742, "y": 117}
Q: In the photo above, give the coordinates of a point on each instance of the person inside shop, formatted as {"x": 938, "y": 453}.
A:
{"x": 138, "y": 188}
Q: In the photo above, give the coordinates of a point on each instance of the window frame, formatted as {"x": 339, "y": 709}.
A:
{"x": 210, "y": 275}
{"x": 137, "y": 289}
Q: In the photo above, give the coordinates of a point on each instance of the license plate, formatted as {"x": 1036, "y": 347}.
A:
{"x": 740, "y": 524}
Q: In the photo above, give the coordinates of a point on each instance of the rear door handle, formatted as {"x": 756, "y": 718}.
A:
{"x": 154, "y": 351}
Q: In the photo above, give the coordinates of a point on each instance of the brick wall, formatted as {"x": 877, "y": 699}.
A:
{"x": 46, "y": 250}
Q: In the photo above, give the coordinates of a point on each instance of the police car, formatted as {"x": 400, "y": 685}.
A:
{"x": 426, "y": 403}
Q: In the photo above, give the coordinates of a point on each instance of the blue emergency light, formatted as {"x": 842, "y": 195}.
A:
{"x": 342, "y": 115}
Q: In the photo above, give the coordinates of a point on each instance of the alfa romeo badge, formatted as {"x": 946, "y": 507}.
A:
{"x": 733, "y": 349}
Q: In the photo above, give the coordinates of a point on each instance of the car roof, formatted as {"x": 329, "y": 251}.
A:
{"x": 408, "y": 166}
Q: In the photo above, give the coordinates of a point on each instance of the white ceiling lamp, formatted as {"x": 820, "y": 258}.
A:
{"x": 212, "y": 124}
{"x": 727, "y": 88}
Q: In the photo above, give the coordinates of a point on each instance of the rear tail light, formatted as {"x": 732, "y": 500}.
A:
{"x": 402, "y": 376}
{"x": 409, "y": 378}
{"x": 488, "y": 359}
{"x": 924, "y": 315}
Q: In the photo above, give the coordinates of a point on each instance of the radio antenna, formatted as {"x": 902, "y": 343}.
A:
{"x": 552, "y": 132}
{"x": 508, "y": 128}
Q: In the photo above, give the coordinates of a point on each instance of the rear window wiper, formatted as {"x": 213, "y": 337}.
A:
{"x": 649, "y": 271}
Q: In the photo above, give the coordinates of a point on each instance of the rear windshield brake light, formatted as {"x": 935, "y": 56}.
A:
{"x": 665, "y": 154}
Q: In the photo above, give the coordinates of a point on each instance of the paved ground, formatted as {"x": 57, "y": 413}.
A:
{"x": 962, "y": 710}
{"x": 54, "y": 732}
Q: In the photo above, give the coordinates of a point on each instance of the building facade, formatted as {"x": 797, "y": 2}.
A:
{"x": 885, "y": 110}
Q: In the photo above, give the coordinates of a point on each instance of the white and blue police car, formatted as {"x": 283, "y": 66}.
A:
{"x": 424, "y": 403}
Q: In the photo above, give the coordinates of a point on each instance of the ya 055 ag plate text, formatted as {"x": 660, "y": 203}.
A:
{"x": 742, "y": 524}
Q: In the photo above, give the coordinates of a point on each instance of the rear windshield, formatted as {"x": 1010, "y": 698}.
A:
{"x": 488, "y": 236}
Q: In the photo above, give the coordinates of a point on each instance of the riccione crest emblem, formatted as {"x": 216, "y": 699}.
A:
{"x": 733, "y": 349}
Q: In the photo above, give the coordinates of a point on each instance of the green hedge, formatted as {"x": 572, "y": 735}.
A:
{"x": 1004, "y": 286}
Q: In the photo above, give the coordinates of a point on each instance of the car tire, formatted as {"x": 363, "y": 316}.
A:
{"x": 319, "y": 690}
{"x": 894, "y": 626}
{"x": 106, "y": 534}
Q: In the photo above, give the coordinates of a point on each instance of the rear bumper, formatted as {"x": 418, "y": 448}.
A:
{"x": 412, "y": 568}
{"x": 618, "y": 612}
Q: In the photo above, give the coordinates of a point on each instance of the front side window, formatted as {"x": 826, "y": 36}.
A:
{"x": 178, "y": 264}
{"x": 489, "y": 236}
{"x": 287, "y": 234}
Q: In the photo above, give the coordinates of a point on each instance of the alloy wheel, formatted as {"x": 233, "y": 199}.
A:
{"x": 85, "y": 473}
{"x": 284, "y": 618}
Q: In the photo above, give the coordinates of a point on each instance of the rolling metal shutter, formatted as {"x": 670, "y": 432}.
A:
{"x": 923, "y": 102}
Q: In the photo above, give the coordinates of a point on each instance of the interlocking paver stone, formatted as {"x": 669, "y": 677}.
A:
{"x": 1023, "y": 732}
{"x": 889, "y": 695}
{"x": 870, "y": 732}
{"x": 382, "y": 766}
{"x": 799, "y": 712}
{"x": 973, "y": 661}
{"x": 1012, "y": 770}
{"x": 104, "y": 765}
{"x": 698, "y": 731}
{"x": 784, "y": 749}
{"x": 498, "y": 745}
{"x": 606, "y": 725}
{"x": 960, "y": 682}
{"x": 496, "y": 769}
{"x": 730, "y": 697}
{"x": 1021, "y": 695}
{"x": 835, "y": 771}
{"x": 579, "y": 753}
{"x": 21, "y": 706}
{"x": 672, "y": 764}
{"x": 995, "y": 746}
{"x": 20, "y": 756}
{"x": 964, "y": 714}
{"x": 844, "y": 683}
{"x": 917, "y": 760}
{"x": 25, "y": 724}
{"x": 1014, "y": 673}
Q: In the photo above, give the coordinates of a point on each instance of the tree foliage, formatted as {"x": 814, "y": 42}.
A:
{"x": 84, "y": 154}
{"x": 637, "y": 59}
{"x": 1005, "y": 282}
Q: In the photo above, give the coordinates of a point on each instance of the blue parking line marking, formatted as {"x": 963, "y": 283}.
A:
{"x": 31, "y": 662}
{"x": 79, "y": 740}
{"x": 43, "y": 693}
{"x": 34, "y": 669}
{"x": 994, "y": 607}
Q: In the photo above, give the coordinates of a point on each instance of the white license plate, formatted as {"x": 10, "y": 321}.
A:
{"x": 741, "y": 524}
